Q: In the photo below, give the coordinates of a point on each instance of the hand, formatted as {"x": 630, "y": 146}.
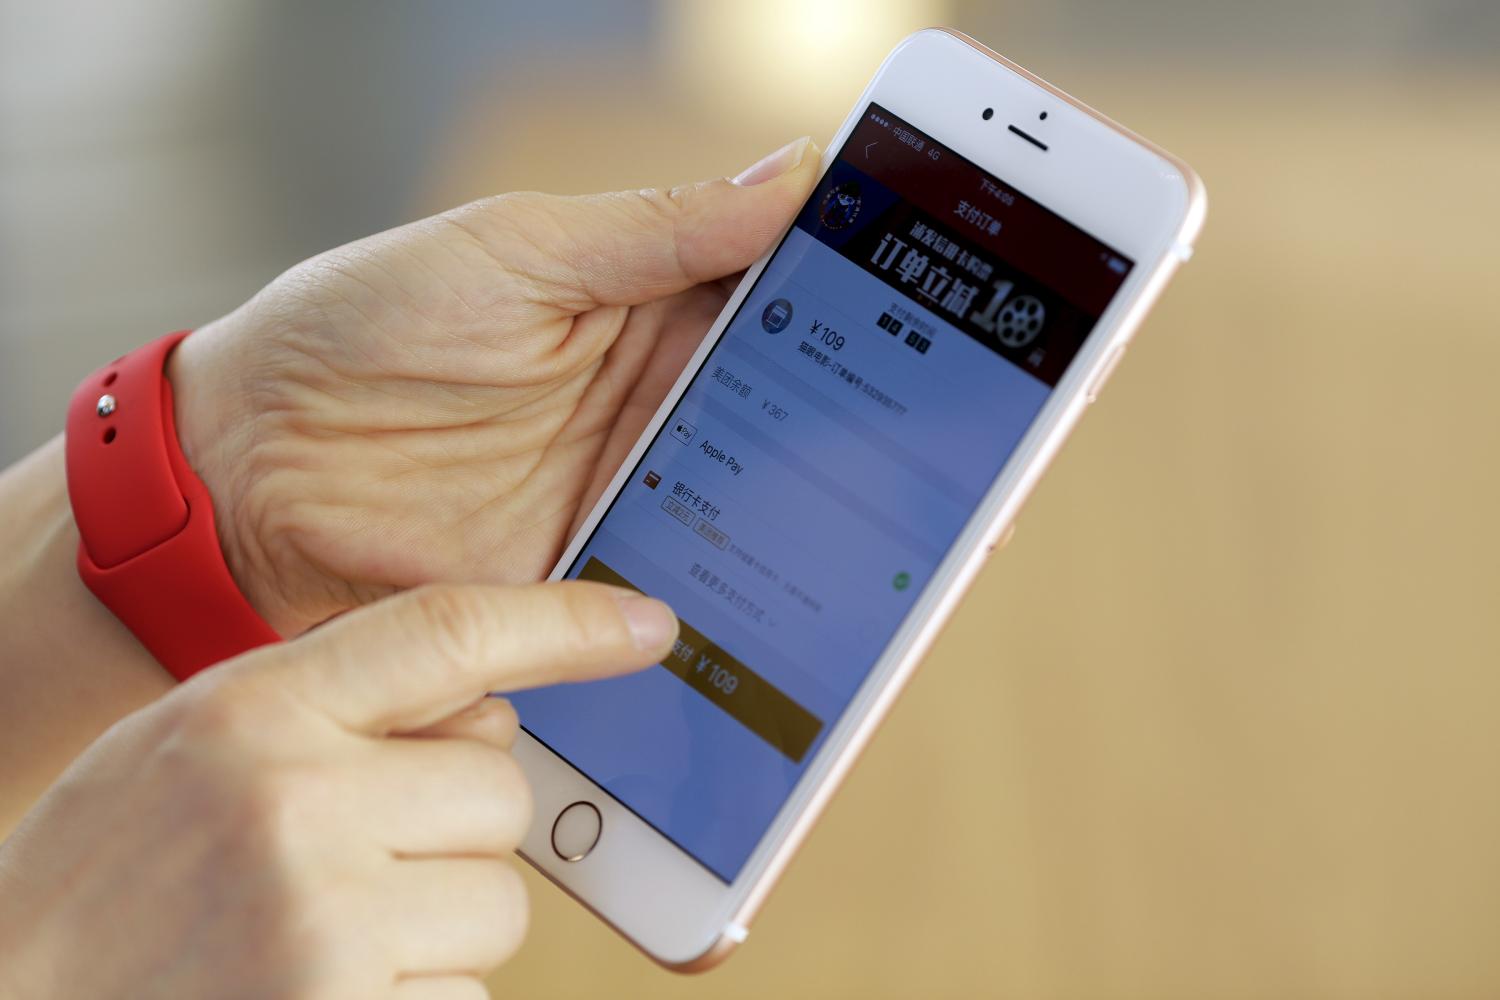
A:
{"x": 445, "y": 401}
{"x": 311, "y": 819}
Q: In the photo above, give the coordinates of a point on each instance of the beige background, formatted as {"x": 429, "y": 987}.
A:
{"x": 1222, "y": 721}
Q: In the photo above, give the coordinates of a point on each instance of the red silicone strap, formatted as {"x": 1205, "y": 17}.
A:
{"x": 148, "y": 548}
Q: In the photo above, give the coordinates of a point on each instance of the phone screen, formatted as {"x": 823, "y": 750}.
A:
{"x": 824, "y": 459}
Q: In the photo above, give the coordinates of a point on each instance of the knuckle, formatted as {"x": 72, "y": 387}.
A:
{"x": 452, "y": 620}
{"x": 515, "y": 795}
{"x": 513, "y": 906}
{"x": 669, "y": 203}
{"x": 672, "y": 203}
{"x": 207, "y": 706}
{"x": 589, "y": 618}
{"x": 507, "y": 794}
{"x": 214, "y": 710}
{"x": 281, "y": 806}
{"x": 671, "y": 206}
{"x": 510, "y": 781}
{"x": 218, "y": 758}
{"x": 682, "y": 196}
{"x": 273, "y": 822}
{"x": 504, "y": 720}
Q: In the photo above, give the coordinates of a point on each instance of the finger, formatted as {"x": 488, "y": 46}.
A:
{"x": 423, "y": 797}
{"x": 631, "y": 247}
{"x": 440, "y": 988}
{"x": 641, "y": 367}
{"x": 451, "y": 915}
{"x": 730, "y": 282}
{"x": 419, "y": 656}
{"x": 490, "y": 720}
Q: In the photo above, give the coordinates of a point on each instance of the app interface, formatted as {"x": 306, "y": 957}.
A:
{"x": 835, "y": 442}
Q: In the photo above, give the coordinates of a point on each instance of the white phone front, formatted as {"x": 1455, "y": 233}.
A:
{"x": 860, "y": 425}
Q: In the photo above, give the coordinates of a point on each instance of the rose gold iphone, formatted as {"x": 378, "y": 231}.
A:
{"x": 859, "y": 427}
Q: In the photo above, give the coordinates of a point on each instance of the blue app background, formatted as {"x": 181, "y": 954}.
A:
{"x": 807, "y": 484}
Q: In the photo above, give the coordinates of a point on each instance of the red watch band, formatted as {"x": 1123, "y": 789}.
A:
{"x": 148, "y": 549}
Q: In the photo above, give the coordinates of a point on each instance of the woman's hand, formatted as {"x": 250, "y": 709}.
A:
{"x": 329, "y": 817}
{"x": 445, "y": 400}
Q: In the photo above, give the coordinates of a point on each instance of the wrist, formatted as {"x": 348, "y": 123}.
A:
{"x": 217, "y": 430}
{"x": 68, "y": 668}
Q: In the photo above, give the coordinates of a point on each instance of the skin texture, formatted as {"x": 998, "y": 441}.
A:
{"x": 397, "y": 435}
{"x": 330, "y": 817}
{"x": 445, "y": 401}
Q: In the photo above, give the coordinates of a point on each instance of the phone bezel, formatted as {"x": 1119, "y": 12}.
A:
{"x": 1097, "y": 175}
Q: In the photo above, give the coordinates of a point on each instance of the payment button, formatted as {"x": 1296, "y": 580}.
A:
{"x": 740, "y": 692}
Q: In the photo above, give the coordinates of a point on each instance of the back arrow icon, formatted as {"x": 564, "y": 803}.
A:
{"x": 867, "y": 148}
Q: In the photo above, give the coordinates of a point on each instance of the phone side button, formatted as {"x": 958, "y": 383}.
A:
{"x": 1003, "y": 540}
{"x": 1105, "y": 371}
{"x": 576, "y": 831}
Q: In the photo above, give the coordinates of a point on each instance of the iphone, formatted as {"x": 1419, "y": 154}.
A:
{"x": 857, "y": 431}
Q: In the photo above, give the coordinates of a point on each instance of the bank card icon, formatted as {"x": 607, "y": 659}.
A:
{"x": 653, "y": 479}
{"x": 777, "y": 316}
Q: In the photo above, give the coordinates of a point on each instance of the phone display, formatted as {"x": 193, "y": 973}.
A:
{"x": 824, "y": 459}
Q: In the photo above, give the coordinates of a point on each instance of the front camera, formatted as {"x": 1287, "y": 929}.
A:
{"x": 987, "y": 114}
{"x": 1043, "y": 116}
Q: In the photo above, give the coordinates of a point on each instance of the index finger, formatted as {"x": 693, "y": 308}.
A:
{"x": 412, "y": 659}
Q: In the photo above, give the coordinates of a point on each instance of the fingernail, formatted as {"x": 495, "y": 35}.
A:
{"x": 652, "y": 624}
{"x": 773, "y": 166}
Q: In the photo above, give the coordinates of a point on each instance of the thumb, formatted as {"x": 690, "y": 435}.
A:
{"x": 412, "y": 659}
{"x": 631, "y": 247}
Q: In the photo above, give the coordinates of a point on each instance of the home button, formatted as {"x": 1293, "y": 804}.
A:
{"x": 576, "y": 831}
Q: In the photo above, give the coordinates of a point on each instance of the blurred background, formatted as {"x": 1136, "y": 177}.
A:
{"x": 1224, "y": 720}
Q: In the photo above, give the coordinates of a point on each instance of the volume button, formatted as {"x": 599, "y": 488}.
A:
{"x": 1105, "y": 371}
